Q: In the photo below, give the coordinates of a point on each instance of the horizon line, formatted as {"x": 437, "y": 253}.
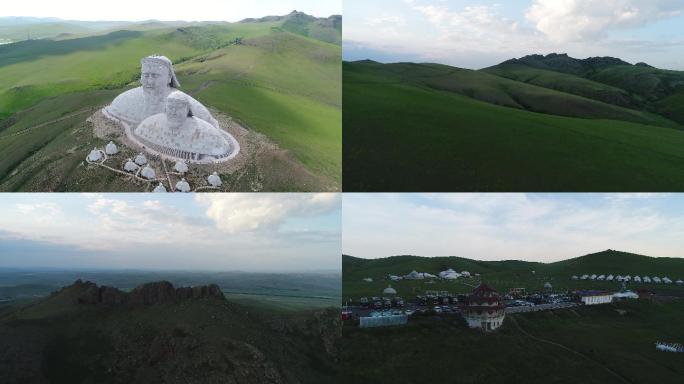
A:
{"x": 526, "y": 261}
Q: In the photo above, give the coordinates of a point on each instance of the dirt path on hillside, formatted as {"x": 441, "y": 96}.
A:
{"x": 539, "y": 339}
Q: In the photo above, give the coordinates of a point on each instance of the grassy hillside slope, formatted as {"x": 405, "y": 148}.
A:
{"x": 61, "y": 340}
{"x": 403, "y": 136}
{"x": 516, "y": 94}
{"x": 278, "y": 83}
{"x": 504, "y": 275}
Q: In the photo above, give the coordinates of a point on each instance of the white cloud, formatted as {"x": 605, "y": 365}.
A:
{"x": 583, "y": 20}
{"x": 477, "y": 34}
{"x": 238, "y": 212}
{"x": 39, "y": 209}
{"x": 475, "y": 27}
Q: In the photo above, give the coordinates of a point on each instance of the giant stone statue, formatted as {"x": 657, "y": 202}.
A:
{"x": 178, "y": 133}
{"x": 167, "y": 122}
{"x": 158, "y": 81}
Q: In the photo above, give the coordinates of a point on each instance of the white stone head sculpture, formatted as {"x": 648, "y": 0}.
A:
{"x": 157, "y": 73}
{"x": 177, "y": 109}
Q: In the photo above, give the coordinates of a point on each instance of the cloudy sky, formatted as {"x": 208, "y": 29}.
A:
{"x": 480, "y": 33}
{"x": 195, "y": 10}
{"x": 248, "y": 232}
{"x": 534, "y": 227}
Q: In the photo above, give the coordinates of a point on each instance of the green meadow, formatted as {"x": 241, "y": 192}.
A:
{"x": 284, "y": 85}
{"x": 429, "y": 127}
{"x": 613, "y": 343}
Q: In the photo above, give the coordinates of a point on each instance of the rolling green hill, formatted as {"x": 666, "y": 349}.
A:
{"x": 516, "y": 94}
{"x": 504, "y": 275}
{"x": 284, "y": 85}
{"x": 410, "y": 127}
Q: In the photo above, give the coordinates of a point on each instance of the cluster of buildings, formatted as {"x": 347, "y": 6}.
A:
{"x": 140, "y": 167}
{"x": 482, "y": 309}
{"x": 628, "y": 278}
{"x": 448, "y": 274}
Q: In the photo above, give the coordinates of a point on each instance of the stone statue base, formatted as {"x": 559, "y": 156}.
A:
{"x": 174, "y": 154}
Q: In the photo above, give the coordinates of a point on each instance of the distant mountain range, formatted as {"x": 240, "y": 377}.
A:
{"x": 159, "y": 333}
{"x": 17, "y": 28}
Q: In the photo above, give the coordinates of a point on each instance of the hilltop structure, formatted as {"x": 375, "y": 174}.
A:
{"x": 168, "y": 123}
{"x": 484, "y": 309}
{"x": 158, "y": 80}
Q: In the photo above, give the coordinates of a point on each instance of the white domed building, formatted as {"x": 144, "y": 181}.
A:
{"x": 183, "y": 186}
{"x": 111, "y": 149}
{"x": 389, "y": 292}
{"x": 95, "y": 155}
{"x": 484, "y": 309}
{"x": 140, "y": 159}
{"x": 148, "y": 173}
{"x": 181, "y": 167}
{"x": 130, "y": 166}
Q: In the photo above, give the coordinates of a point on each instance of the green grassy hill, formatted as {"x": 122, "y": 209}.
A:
{"x": 275, "y": 82}
{"x": 440, "y": 129}
{"x": 499, "y": 90}
{"x": 504, "y": 275}
{"x": 563, "y": 82}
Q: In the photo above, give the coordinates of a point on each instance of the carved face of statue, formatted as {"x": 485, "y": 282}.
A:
{"x": 154, "y": 76}
{"x": 176, "y": 112}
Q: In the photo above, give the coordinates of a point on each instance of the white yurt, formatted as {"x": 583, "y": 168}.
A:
{"x": 389, "y": 291}
{"x": 183, "y": 186}
{"x": 214, "y": 180}
{"x": 148, "y": 173}
{"x": 130, "y": 166}
{"x": 95, "y": 155}
{"x": 159, "y": 188}
{"x": 181, "y": 167}
{"x": 111, "y": 149}
{"x": 140, "y": 159}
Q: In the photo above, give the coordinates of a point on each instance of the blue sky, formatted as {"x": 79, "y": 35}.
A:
{"x": 534, "y": 227}
{"x": 248, "y": 232}
{"x": 195, "y": 10}
{"x": 477, "y": 34}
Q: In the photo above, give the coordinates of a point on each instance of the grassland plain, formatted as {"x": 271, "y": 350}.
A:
{"x": 611, "y": 343}
{"x": 284, "y": 85}
{"x": 429, "y": 127}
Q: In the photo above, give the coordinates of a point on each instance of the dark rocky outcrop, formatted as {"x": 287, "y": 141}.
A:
{"x": 564, "y": 63}
{"x": 161, "y": 292}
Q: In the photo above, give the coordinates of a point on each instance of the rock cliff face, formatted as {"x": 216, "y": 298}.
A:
{"x": 161, "y": 292}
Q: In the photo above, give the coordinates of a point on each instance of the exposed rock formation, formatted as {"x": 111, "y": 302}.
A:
{"x": 161, "y": 292}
